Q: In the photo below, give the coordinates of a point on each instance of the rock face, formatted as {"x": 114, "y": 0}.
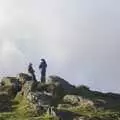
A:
{"x": 11, "y": 85}
{"x": 23, "y": 77}
{"x": 72, "y": 99}
{"x": 55, "y": 90}
{"x": 40, "y": 102}
{"x": 41, "y": 96}
{"x": 36, "y": 94}
{"x": 27, "y": 87}
{"x": 77, "y": 100}
{"x": 9, "y": 88}
{"x": 9, "y": 81}
{"x": 56, "y": 97}
{"x": 67, "y": 87}
{"x": 7, "y": 92}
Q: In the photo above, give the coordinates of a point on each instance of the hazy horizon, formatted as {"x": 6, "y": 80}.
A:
{"x": 79, "y": 39}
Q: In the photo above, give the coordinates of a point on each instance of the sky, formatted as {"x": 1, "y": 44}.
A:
{"x": 79, "y": 39}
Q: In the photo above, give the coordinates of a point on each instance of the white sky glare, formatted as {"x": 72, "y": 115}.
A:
{"x": 79, "y": 38}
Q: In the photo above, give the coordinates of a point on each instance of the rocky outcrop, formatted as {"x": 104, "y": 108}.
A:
{"x": 28, "y": 86}
{"x": 43, "y": 96}
{"x": 11, "y": 85}
{"x": 37, "y": 94}
{"x": 55, "y": 90}
{"x": 40, "y": 102}
{"x": 56, "y": 97}
{"x": 9, "y": 88}
{"x": 23, "y": 77}
{"x": 77, "y": 100}
{"x": 9, "y": 81}
{"x": 67, "y": 87}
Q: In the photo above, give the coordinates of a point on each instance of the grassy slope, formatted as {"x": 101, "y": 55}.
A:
{"x": 22, "y": 111}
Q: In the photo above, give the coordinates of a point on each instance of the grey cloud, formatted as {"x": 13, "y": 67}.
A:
{"x": 79, "y": 39}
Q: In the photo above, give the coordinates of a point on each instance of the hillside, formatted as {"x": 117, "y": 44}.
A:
{"x": 22, "y": 98}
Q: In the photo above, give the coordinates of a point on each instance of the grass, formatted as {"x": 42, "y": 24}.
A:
{"x": 21, "y": 111}
{"x": 94, "y": 113}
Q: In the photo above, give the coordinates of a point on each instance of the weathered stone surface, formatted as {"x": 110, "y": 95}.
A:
{"x": 99, "y": 102}
{"x": 11, "y": 85}
{"x": 8, "y": 90}
{"x": 51, "y": 89}
{"x": 73, "y": 99}
{"x": 60, "y": 106}
{"x": 39, "y": 98}
{"x": 77, "y": 100}
{"x": 39, "y": 101}
{"x": 28, "y": 86}
{"x": 67, "y": 87}
{"x": 11, "y": 81}
{"x": 23, "y": 77}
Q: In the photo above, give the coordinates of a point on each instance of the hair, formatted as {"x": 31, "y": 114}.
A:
{"x": 43, "y": 60}
{"x": 30, "y": 63}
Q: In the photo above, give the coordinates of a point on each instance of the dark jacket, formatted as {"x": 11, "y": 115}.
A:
{"x": 30, "y": 69}
{"x": 43, "y": 67}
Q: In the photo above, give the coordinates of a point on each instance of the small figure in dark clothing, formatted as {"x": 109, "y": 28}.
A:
{"x": 31, "y": 71}
{"x": 42, "y": 67}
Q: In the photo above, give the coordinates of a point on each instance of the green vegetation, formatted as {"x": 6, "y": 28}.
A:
{"x": 21, "y": 111}
{"x": 62, "y": 100}
{"x": 90, "y": 113}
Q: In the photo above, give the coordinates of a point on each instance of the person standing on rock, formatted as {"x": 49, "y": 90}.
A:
{"x": 31, "y": 71}
{"x": 42, "y": 67}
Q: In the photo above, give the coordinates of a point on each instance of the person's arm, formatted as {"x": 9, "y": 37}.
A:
{"x": 40, "y": 66}
{"x": 33, "y": 70}
{"x": 46, "y": 65}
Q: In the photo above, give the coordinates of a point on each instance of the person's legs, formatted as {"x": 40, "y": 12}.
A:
{"x": 42, "y": 79}
{"x": 33, "y": 77}
{"x": 43, "y": 76}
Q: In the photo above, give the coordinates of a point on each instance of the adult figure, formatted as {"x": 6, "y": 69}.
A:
{"x": 31, "y": 71}
{"x": 42, "y": 67}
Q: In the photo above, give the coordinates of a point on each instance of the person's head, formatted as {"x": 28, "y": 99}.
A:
{"x": 43, "y": 60}
{"x": 30, "y": 64}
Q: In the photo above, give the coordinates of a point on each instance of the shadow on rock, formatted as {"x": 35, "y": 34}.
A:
{"x": 66, "y": 115}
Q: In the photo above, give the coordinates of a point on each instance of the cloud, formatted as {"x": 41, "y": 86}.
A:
{"x": 79, "y": 39}
{"x": 12, "y": 59}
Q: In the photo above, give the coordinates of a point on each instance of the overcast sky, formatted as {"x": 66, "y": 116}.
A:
{"x": 80, "y": 39}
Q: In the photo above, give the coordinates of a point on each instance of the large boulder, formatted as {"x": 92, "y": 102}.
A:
{"x": 77, "y": 100}
{"x": 72, "y": 99}
{"x": 23, "y": 77}
{"x": 53, "y": 89}
{"x": 67, "y": 87}
{"x": 39, "y": 100}
{"x": 9, "y": 88}
{"x": 10, "y": 85}
{"x": 10, "y": 81}
{"x": 28, "y": 86}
